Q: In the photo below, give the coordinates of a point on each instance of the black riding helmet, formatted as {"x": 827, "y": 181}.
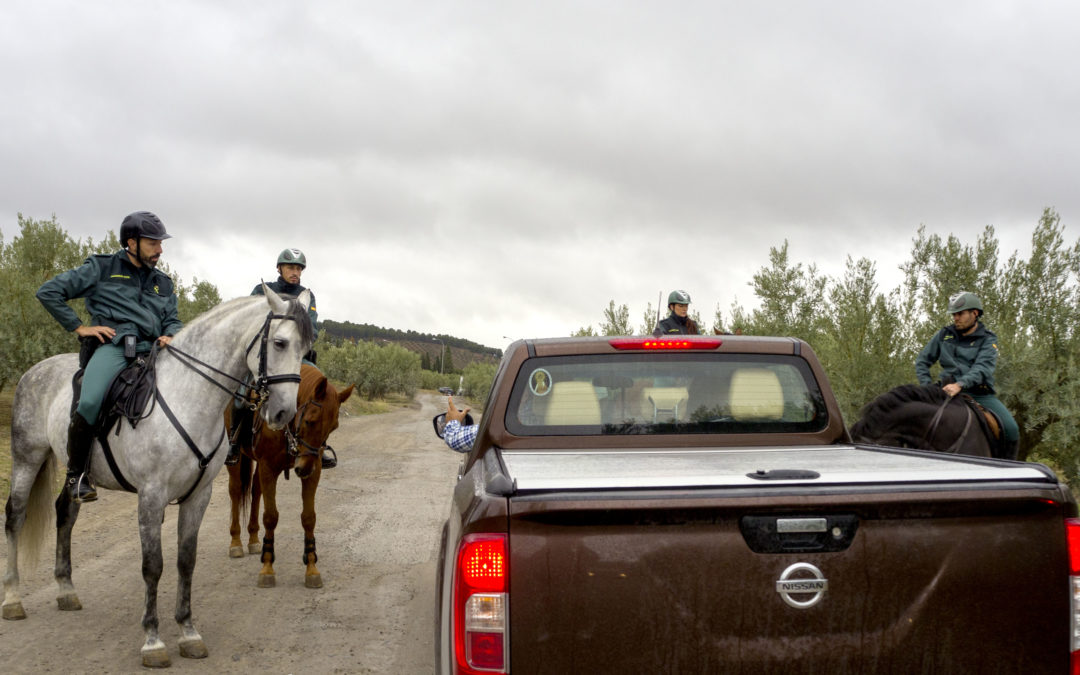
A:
{"x": 142, "y": 224}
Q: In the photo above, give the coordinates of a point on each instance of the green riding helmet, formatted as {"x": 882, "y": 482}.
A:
{"x": 964, "y": 300}
{"x": 292, "y": 256}
{"x": 678, "y": 298}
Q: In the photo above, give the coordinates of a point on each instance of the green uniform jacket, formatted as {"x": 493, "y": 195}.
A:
{"x": 969, "y": 359}
{"x": 282, "y": 287}
{"x": 137, "y": 301}
{"x": 673, "y": 324}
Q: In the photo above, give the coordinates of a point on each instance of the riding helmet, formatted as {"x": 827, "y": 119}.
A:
{"x": 964, "y": 300}
{"x": 142, "y": 224}
{"x": 678, "y": 298}
{"x": 292, "y": 256}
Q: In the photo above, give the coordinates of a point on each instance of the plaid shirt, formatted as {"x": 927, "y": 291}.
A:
{"x": 459, "y": 437}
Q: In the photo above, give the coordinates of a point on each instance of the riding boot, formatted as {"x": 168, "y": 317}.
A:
{"x": 1012, "y": 449}
{"x": 241, "y": 416}
{"x": 80, "y": 440}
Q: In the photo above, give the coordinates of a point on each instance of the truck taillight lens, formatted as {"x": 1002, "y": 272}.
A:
{"x": 1072, "y": 536}
{"x": 481, "y": 605}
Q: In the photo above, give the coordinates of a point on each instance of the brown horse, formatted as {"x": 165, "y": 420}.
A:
{"x": 299, "y": 447}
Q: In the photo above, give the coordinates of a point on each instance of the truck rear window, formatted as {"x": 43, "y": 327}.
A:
{"x": 657, "y": 393}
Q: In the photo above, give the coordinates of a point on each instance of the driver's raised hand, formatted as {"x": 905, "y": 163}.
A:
{"x": 452, "y": 413}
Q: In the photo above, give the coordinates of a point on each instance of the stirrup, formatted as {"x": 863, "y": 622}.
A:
{"x": 329, "y": 458}
{"x": 81, "y": 489}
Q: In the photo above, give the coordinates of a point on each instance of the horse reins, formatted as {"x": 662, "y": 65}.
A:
{"x": 262, "y": 389}
{"x": 937, "y": 420}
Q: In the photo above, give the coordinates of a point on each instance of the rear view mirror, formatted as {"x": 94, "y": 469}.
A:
{"x": 439, "y": 422}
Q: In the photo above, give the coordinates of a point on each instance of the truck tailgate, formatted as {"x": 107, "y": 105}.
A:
{"x": 669, "y": 561}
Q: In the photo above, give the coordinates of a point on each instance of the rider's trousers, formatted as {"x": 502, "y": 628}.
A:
{"x": 106, "y": 362}
{"x": 994, "y": 405}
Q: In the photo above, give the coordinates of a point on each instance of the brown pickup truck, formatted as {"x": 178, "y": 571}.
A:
{"x": 696, "y": 505}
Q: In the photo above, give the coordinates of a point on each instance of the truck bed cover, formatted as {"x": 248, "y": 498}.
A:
{"x": 539, "y": 470}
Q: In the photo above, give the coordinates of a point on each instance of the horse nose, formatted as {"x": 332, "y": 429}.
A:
{"x": 280, "y": 418}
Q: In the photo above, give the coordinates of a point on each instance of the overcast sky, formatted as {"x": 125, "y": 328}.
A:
{"x": 498, "y": 168}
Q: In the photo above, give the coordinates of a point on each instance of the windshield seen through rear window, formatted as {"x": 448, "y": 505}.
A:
{"x": 655, "y": 393}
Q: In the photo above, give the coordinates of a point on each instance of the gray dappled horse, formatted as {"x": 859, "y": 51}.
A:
{"x": 167, "y": 458}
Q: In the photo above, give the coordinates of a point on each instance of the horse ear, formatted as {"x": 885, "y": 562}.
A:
{"x": 304, "y": 299}
{"x": 320, "y": 389}
{"x": 342, "y": 395}
{"x": 277, "y": 304}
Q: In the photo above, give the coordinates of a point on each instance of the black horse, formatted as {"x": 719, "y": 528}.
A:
{"x": 913, "y": 416}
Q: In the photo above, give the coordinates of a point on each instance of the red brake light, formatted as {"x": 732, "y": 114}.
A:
{"x": 483, "y": 563}
{"x": 1072, "y": 536}
{"x": 633, "y": 343}
{"x": 481, "y": 605}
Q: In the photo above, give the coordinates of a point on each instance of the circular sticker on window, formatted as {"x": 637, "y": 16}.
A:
{"x": 540, "y": 382}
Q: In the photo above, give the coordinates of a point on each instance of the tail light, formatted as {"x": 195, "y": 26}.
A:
{"x": 634, "y": 344}
{"x": 481, "y": 605}
{"x": 1072, "y": 534}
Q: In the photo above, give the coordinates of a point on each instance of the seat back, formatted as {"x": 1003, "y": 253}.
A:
{"x": 572, "y": 403}
{"x": 756, "y": 394}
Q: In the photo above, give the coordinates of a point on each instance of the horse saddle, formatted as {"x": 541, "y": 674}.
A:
{"x": 127, "y": 396}
{"x": 990, "y": 425}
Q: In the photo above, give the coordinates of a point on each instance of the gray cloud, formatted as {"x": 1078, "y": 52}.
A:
{"x": 488, "y": 169}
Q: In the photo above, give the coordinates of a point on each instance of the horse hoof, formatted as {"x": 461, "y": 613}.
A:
{"x": 69, "y": 602}
{"x": 14, "y": 611}
{"x": 193, "y": 648}
{"x": 313, "y": 581}
{"x": 236, "y": 551}
{"x": 267, "y": 581}
{"x": 254, "y": 548}
{"x": 156, "y": 657}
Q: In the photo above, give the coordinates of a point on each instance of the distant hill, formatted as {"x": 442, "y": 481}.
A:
{"x": 462, "y": 351}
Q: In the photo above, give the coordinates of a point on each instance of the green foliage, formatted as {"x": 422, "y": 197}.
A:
{"x": 376, "y": 369}
{"x": 431, "y": 379}
{"x": 478, "y": 380}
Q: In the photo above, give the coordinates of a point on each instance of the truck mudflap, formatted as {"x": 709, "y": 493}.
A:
{"x": 958, "y": 575}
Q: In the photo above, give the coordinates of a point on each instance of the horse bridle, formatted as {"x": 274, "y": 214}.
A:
{"x": 262, "y": 382}
{"x": 292, "y": 439}
{"x": 937, "y": 420}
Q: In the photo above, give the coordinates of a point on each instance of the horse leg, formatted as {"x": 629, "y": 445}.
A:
{"x": 236, "y": 549}
{"x": 268, "y": 479}
{"x": 253, "y": 512}
{"x": 312, "y": 578}
{"x": 14, "y": 516}
{"x": 67, "y": 512}
{"x": 187, "y": 543}
{"x": 151, "y": 513}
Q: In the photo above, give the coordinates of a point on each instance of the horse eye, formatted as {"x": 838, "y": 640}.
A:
{"x": 280, "y": 343}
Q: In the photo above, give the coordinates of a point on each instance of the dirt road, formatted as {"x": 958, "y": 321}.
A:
{"x": 379, "y": 517}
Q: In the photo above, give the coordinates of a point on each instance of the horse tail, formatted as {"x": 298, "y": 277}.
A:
{"x": 39, "y": 512}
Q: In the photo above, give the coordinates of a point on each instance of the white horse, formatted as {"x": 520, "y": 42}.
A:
{"x": 170, "y": 456}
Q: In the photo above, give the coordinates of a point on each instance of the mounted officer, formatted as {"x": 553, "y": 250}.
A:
{"x": 291, "y": 264}
{"x": 677, "y": 322}
{"x": 968, "y": 353}
{"x": 132, "y": 305}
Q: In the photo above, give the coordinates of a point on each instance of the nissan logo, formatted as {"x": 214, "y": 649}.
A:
{"x": 813, "y": 585}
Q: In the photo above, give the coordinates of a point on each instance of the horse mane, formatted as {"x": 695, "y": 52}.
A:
{"x": 876, "y": 414}
{"x": 211, "y": 317}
